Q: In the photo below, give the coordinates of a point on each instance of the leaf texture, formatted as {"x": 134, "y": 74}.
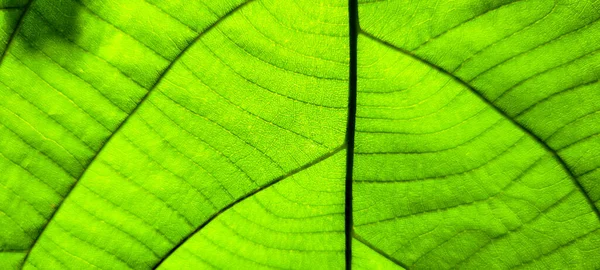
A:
{"x": 329, "y": 134}
{"x": 488, "y": 140}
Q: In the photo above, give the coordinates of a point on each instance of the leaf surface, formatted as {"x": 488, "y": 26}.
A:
{"x": 326, "y": 134}
{"x": 482, "y": 120}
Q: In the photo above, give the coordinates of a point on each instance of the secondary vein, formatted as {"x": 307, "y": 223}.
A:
{"x": 379, "y": 251}
{"x": 524, "y": 129}
{"x": 26, "y": 8}
{"x": 142, "y": 100}
{"x": 233, "y": 203}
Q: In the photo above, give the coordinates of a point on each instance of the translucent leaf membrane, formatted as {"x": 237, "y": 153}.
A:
{"x": 152, "y": 121}
{"x": 365, "y": 257}
{"x": 72, "y": 73}
{"x": 10, "y": 12}
{"x": 443, "y": 180}
{"x": 298, "y": 223}
{"x": 535, "y": 60}
{"x": 188, "y": 134}
{"x": 476, "y": 141}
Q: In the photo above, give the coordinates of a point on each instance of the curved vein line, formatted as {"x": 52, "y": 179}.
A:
{"x": 147, "y": 155}
{"x": 451, "y": 29}
{"x": 288, "y": 232}
{"x": 525, "y": 130}
{"x": 379, "y": 251}
{"x": 89, "y": 243}
{"x": 249, "y": 80}
{"x": 58, "y": 91}
{"x": 275, "y": 215}
{"x": 247, "y": 111}
{"x": 13, "y": 251}
{"x": 234, "y": 253}
{"x": 589, "y": 172}
{"x": 24, "y": 200}
{"x": 216, "y": 123}
{"x": 482, "y": 50}
{"x": 39, "y": 49}
{"x": 60, "y": 166}
{"x": 454, "y": 125}
{"x": 142, "y": 100}
{"x": 248, "y": 239}
{"x": 15, "y": 31}
{"x": 578, "y": 141}
{"x": 544, "y": 72}
{"x": 127, "y": 212}
{"x": 521, "y": 227}
{"x": 12, "y": 8}
{"x": 555, "y": 95}
{"x": 433, "y": 178}
{"x": 421, "y": 152}
{"x": 118, "y": 228}
{"x": 571, "y": 122}
{"x": 56, "y": 193}
{"x": 559, "y": 247}
{"x": 490, "y": 197}
{"x": 39, "y": 133}
{"x": 147, "y": 191}
{"x": 541, "y": 45}
{"x": 62, "y": 34}
{"x": 204, "y": 142}
{"x": 295, "y": 29}
{"x": 96, "y": 15}
{"x": 57, "y": 259}
{"x": 249, "y": 195}
{"x": 275, "y": 65}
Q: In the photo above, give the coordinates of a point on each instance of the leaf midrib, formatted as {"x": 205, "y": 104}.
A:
{"x": 142, "y": 101}
{"x": 354, "y": 31}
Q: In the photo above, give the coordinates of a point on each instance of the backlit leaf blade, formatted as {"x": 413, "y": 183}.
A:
{"x": 536, "y": 61}
{"x": 209, "y": 133}
{"x": 508, "y": 78}
{"x": 296, "y": 223}
{"x": 243, "y": 134}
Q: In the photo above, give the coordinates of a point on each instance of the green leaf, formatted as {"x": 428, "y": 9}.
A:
{"x": 477, "y": 130}
{"x": 299, "y": 134}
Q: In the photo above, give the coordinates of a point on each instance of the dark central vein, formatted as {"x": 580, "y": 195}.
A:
{"x": 351, "y": 128}
{"x": 142, "y": 100}
{"x": 526, "y": 130}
